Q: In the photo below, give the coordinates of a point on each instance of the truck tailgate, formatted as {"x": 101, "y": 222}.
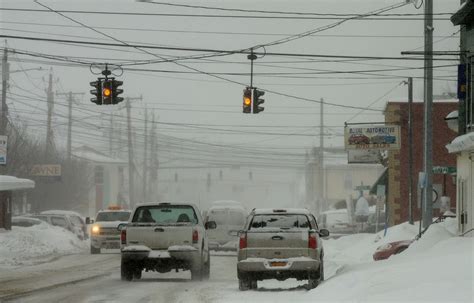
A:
{"x": 159, "y": 237}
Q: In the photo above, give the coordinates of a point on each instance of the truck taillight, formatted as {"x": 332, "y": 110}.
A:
{"x": 123, "y": 236}
{"x": 243, "y": 240}
{"x": 195, "y": 236}
{"x": 312, "y": 241}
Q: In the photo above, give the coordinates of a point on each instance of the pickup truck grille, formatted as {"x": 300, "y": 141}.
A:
{"x": 106, "y": 231}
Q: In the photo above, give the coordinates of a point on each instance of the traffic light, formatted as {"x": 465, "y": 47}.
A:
{"x": 97, "y": 92}
{"x": 107, "y": 96}
{"x": 247, "y": 105}
{"x": 116, "y": 91}
{"x": 257, "y": 101}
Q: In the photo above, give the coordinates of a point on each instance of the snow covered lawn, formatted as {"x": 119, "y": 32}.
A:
{"x": 36, "y": 244}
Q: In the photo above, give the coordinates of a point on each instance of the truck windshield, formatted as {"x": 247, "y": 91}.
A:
{"x": 165, "y": 214}
{"x": 113, "y": 216}
{"x": 280, "y": 221}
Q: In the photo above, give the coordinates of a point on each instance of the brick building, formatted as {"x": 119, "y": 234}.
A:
{"x": 398, "y": 164}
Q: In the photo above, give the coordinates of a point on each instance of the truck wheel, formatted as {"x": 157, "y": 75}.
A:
{"x": 253, "y": 284}
{"x": 137, "y": 274}
{"x": 197, "y": 272}
{"x": 126, "y": 271}
{"x": 244, "y": 284}
{"x": 95, "y": 250}
{"x": 207, "y": 268}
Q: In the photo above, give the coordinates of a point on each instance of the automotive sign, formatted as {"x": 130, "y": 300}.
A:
{"x": 375, "y": 137}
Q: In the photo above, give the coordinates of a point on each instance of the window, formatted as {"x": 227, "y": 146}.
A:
{"x": 165, "y": 214}
{"x": 219, "y": 216}
{"x": 280, "y": 221}
{"x": 236, "y": 218}
{"x": 59, "y": 221}
{"x": 112, "y": 216}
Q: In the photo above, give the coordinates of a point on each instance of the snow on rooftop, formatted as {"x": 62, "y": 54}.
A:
{"x": 14, "y": 183}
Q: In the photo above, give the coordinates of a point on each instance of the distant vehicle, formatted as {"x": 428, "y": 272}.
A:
{"x": 280, "y": 244}
{"x": 383, "y": 139}
{"x": 63, "y": 221}
{"x": 26, "y": 221}
{"x": 359, "y": 139}
{"x": 229, "y": 216}
{"x": 337, "y": 222}
{"x": 372, "y": 225}
{"x": 163, "y": 237}
{"x": 104, "y": 231}
{"x": 393, "y": 248}
{"x": 76, "y": 219}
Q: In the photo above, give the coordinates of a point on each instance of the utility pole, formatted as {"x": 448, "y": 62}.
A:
{"x": 5, "y": 75}
{"x": 428, "y": 123}
{"x": 50, "y": 102}
{"x": 145, "y": 159}
{"x": 153, "y": 155}
{"x": 69, "y": 125}
{"x": 111, "y": 133}
{"x": 410, "y": 150}
{"x": 131, "y": 166}
{"x": 321, "y": 157}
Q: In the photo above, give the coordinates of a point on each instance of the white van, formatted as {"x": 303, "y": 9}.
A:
{"x": 229, "y": 216}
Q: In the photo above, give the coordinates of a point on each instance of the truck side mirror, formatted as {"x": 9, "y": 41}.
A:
{"x": 324, "y": 233}
{"x": 210, "y": 225}
{"x": 89, "y": 221}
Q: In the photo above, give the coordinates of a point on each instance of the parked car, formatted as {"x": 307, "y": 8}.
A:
{"x": 75, "y": 218}
{"x": 337, "y": 222}
{"x": 383, "y": 139}
{"x": 359, "y": 139}
{"x": 25, "y": 221}
{"x": 63, "y": 221}
{"x": 104, "y": 231}
{"x": 228, "y": 217}
{"x": 393, "y": 248}
{"x": 163, "y": 237}
{"x": 280, "y": 244}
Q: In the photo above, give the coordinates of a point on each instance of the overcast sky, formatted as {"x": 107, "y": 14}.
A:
{"x": 182, "y": 95}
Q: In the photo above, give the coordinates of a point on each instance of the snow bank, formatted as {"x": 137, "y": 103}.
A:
{"x": 36, "y": 244}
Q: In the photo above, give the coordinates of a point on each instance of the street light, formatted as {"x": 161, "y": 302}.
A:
{"x": 452, "y": 121}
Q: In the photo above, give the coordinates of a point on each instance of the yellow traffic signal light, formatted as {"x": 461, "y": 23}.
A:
{"x": 247, "y": 105}
{"x": 106, "y": 92}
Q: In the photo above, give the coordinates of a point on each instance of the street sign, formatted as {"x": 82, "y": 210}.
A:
{"x": 363, "y": 187}
{"x": 421, "y": 179}
{"x": 445, "y": 170}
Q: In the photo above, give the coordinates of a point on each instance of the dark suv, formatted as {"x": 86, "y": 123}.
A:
{"x": 280, "y": 244}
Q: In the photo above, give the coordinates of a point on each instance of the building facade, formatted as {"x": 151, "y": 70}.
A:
{"x": 463, "y": 145}
{"x": 398, "y": 160}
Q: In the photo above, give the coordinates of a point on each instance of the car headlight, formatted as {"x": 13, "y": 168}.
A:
{"x": 384, "y": 247}
{"x": 95, "y": 229}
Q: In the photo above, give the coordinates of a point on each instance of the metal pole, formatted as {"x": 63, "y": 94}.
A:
{"x": 410, "y": 150}
{"x": 69, "y": 127}
{"x": 3, "y": 124}
{"x": 111, "y": 133}
{"x": 428, "y": 130}
{"x": 50, "y": 102}
{"x": 145, "y": 159}
{"x": 321, "y": 157}
{"x": 130, "y": 157}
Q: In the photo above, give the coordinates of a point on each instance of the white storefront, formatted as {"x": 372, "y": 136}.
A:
{"x": 463, "y": 146}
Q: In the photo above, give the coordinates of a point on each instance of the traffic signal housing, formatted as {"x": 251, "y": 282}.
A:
{"x": 97, "y": 92}
{"x": 247, "y": 101}
{"x": 116, "y": 91}
{"x": 257, "y": 101}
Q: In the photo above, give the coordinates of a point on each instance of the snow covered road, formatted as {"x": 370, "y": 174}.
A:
{"x": 438, "y": 268}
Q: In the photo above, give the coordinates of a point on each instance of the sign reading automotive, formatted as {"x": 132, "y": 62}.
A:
{"x": 3, "y": 149}
{"x": 375, "y": 137}
{"x": 46, "y": 170}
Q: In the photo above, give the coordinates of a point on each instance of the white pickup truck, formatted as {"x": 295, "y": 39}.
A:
{"x": 162, "y": 237}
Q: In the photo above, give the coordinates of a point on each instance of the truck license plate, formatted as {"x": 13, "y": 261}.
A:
{"x": 275, "y": 264}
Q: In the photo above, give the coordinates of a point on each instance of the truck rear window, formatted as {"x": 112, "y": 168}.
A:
{"x": 165, "y": 214}
{"x": 280, "y": 222}
{"x": 109, "y": 216}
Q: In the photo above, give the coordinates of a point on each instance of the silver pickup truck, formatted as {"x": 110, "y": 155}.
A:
{"x": 280, "y": 244}
{"x": 162, "y": 237}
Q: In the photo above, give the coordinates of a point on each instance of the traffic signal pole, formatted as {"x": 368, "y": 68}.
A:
{"x": 5, "y": 72}
{"x": 70, "y": 96}
{"x": 131, "y": 167}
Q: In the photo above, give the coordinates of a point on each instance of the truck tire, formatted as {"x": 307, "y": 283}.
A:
{"x": 253, "y": 284}
{"x": 207, "y": 268}
{"x": 137, "y": 273}
{"x": 244, "y": 284}
{"x": 126, "y": 271}
{"x": 95, "y": 250}
{"x": 197, "y": 272}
